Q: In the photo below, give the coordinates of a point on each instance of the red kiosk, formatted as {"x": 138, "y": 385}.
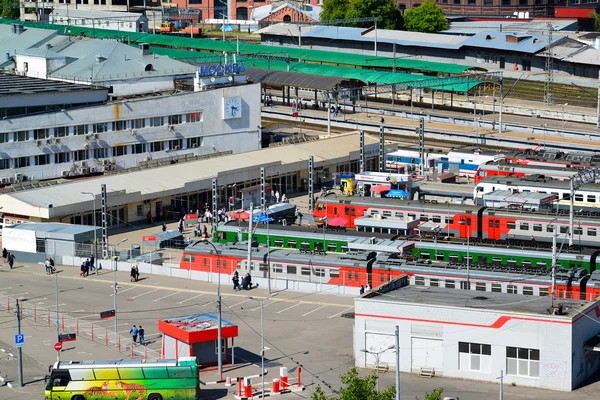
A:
{"x": 196, "y": 336}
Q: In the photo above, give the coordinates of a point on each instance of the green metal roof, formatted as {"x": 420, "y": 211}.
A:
{"x": 304, "y": 54}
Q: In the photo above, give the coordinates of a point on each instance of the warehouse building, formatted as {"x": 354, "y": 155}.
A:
{"x": 473, "y": 335}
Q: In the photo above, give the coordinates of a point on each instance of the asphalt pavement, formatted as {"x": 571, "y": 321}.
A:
{"x": 307, "y": 331}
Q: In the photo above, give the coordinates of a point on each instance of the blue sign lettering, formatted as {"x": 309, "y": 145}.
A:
{"x": 221, "y": 69}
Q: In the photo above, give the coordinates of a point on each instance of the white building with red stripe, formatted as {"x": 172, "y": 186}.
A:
{"x": 475, "y": 335}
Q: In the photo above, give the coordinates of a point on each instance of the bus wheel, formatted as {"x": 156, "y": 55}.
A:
{"x": 155, "y": 396}
{"x": 78, "y": 397}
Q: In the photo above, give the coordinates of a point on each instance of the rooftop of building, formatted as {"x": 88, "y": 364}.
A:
{"x": 72, "y": 12}
{"x": 19, "y": 85}
{"x": 489, "y": 301}
{"x": 533, "y": 26}
{"x": 262, "y": 12}
{"x": 197, "y": 322}
{"x": 183, "y": 177}
{"x": 525, "y": 43}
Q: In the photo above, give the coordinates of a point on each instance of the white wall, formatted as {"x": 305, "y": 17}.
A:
{"x": 551, "y": 335}
{"x": 36, "y": 66}
{"x": 236, "y": 135}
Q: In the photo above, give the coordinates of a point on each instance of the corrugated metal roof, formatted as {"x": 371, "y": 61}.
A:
{"x": 306, "y": 54}
{"x": 179, "y": 178}
{"x": 497, "y": 40}
{"x": 535, "y": 26}
{"x": 283, "y": 78}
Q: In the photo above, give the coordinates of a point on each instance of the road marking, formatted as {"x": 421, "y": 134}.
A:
{"x": 316, "y": 309}
{"x": 5, "y": 288}
{"x": 265, "y": 305}
{"x": 121, "y": 291}
{"x": 241, "y": 302}
{"x": 18, "y": 294}
{"x": 340, "y": 313}
{"x": 191, "y": 298}
{"x": 143, "y": 294}
{"x": 164, "y": 297}
{"x": 289, "y": 308}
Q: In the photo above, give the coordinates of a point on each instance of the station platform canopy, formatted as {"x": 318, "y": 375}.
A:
{"x": 304, "y": 81}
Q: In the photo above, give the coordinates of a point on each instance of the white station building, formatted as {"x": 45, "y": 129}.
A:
{"x": 475, "y": 335}
{"x": 138, "y": 107}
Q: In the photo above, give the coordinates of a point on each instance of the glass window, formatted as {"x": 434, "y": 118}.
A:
{"x": 292, "y": 244}
{"x": 138, "y": 123}
{"x": 175, "y": 144}
{"x": 528, "y": 290}
{"x": 120, "y": 125}
{"x": 334, "y": 273}
{"x": 157, "y": 121}
{"x": 591, "y": 232}
{"x": 61, "y": 131}
{"x": 544, "y": 292}
{"x": 119, "y": 151}
{"x": 511, "y": 225}
{"x": 512, "y": 289}
{"x": 100, "y": 153}
{"x": 138, "y": 148}
{"x": 101, "y": 127}
{"x": 496, "y": 287}
{"x": 291, "y": 269}
{"x": 578, "y": 197}
{"x": 106, "y": 373}
{"x": 156, "y": 373}
{"x": 591, "y": 198}
{"x": 180, "y": 372}
{"x": 419, "y": 281}
{"x": 434, "y": 282}
{"x": 80, "y": 130}
{"x": 21, "y": 136}
{"x": 305, "y": 271}
{"x": 319, "y": 271}
{"x": 523, "y": 362}
{"x": 4, "y": 137}
{"x": 450, "y": 284}
{"x": 194, "y": 142}
{"x": 80, "y": 155}
{"x": 131, "y": 373}
{"x": 42, "y": 133}
{"x": 480, "y": 286}
{"x": 537, "y": 227}
{"x": 192, "y": 117}
{"x": 175, "y": 119}
{"x": 524, "y": 226}
{"x": 21, "y": 162}
{"x": 42, "y": 159}
{"x": 62, "y": 157}
{"x": 474, "y": 356}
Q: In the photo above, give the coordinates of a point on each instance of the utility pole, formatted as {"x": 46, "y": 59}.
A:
{"x": 548, "y": 83}
{"x": 20, "y": 350}
{"x": 554, "y": 234}
{"x": 398, "y": 363}
{"x": 501, "y": 384}
{"x": 249, "y": 262}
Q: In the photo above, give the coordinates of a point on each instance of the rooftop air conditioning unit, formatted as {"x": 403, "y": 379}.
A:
{"x": 85, "y": 170}
{"x": 134, "y": 132}
{"x": 65, "y": 173}
{"x": 171, "y": 128}
{"x": 83, "y": 164}
{"x": 147, "y": 158}
{"x": 57, "y": 140}
{"x": 86, "y": 137}
{"x": 38, "y": 142}
{"x": 105, "y": 162}
{"x": 48, "y": 141}
{"x": 96, "y": 136}
{"x": 18, "y": 177}
{"x": 5, "y": 180}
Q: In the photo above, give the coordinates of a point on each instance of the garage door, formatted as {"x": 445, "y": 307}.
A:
{"x": 427, "y": 353}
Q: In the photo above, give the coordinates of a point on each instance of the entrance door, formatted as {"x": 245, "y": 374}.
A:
{"x": 427, "y": 353}
{"x": 502, "y": 62}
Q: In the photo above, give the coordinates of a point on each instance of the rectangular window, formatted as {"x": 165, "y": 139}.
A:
{"x": 512, "y": 289}
{"x": 578, "y": 197}
{"x": 291, "y": 269}
{"x": 591, "y": 232}
{"x": 591, "y": 198}
{"x": 305, "y": 271}
{"x": 450, "y": 284}
{"x": 278, "y": 268}
{"x": 474, "y": 356}
{"x": 140, "y": 210}
{"x": 278, "y": 243}
{"x": 61, "y": 131}
{"x": 4, "y": 164}
{"x": 419, "y": 281}
{"x": 175, "y": 144}
{"x": 537, "y": 227}
{"x": 292, "y": 244}
{"x": 524, "y": 226}
{"x": 511, "y": 225}
{"x": 42, "y": 159}
{"x": 157, "y": 121}
{"x": 544, "y": 292}
{"x": 80, "y": 155}
{"x": 175, "y": 119}
{"x": 119, "y": 151}
{"x": 100, "y": 153}
{"x": 523, "y": 362}
{"x": 192, "y": 117}
{"x": 4, "y": 137}
{"x": 22, "y": 162}
{"x": 138, "y": 123}
{"x": 21, "y": 136}
{"x": 528, "y": 290}
{"x": 138, "y": 148}
{"x": 80, "y": 130}
{"x": 101, "y": 127}
{"x": 496, "y": 288}
{"x": 334, "y": 273}
{"x": 434, "y": 282}
{"x": 194, "y": 142}
{"x": 62, "y": 157}
{"x": 319, "y": 271}
{"x": 120, "y": 125}
{"x": 480, "y": 286}
{"x": 41, "y": 133}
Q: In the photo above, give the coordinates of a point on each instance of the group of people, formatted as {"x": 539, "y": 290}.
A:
{"x": 335, "y": 110}
{"x": 135, "y": 332}
{"x": 8, "y": 257}
{"x": 49, "y": 264}
{"x": 134, "y": 275}
{"x": 246, "y": 282}
{"x": 87, "y": 265}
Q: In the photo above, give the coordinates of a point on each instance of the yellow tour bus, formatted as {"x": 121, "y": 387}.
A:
{"x": 124, "y": 380}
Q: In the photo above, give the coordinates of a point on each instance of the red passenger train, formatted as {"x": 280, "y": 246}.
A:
{"x": 373, "y": 214}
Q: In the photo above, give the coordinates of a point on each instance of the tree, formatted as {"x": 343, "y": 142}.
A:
{"x": 428, "y": 18}
{"x": 436, "y": 394}
{"x": 334, "y": 9}
{"x": 357, "y": 388}
{"x": 389, "y": 14}
{"x": 10, "y": 9}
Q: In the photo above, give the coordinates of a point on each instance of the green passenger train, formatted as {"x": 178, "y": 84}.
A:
{"x": 316, "y": 240}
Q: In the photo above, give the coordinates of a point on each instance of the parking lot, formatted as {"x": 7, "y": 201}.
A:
{"x": 301, "y": 330}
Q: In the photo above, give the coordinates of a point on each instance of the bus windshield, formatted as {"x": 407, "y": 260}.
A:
{"x": 124, "y": 379}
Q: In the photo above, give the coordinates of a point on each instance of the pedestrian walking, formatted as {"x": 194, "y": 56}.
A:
{"x": 362, "y": 290}
{"x": 134, "y": 333}
{"x": 48, "y": 266}
{"x": 382, "y": 121}
{"x": 180, "y": 225}
{"x": 92, "y": 261}
{"x": 11, "y": 260}
{"x": 4, "y": 253}
{"x": 149, "y": 217}
{"x": 277, "y": 196}
{"x": 164, "y": 227}
{"x": 236, "y": 281}
{"x": 141, "y": 333}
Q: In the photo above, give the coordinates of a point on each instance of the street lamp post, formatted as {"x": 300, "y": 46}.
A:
{"x": 377, "y": 354}
{"x": 115, "y": 288}
{"x": 95, "y": 234}
{"x": 219, "y": 332}
{"x": 545, "y": 129}
{"x": 262, "y": 341}
{"x": 562, "y": 132}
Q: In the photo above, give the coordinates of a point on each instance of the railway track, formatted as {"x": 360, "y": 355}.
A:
{"x": 446, "y": 136}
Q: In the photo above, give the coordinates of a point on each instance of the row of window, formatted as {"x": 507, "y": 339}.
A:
{"x": 105, "y": 152}
{"x": 100, "y": 127}
{"x": 482, "y": 286}
{"x": 519, "y": 361}
{"x": 565, "y": 195}
{"x": 490, "y": 3}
